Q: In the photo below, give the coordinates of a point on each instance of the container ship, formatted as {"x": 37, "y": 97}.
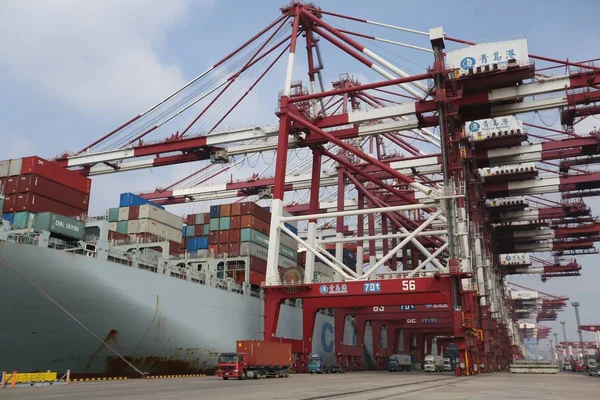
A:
{"x": 137, "y": 288}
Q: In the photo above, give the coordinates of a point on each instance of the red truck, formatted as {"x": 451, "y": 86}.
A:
{"x": 256, "y": 359}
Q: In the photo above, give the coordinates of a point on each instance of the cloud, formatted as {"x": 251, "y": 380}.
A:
{"x": 100, "y": 57}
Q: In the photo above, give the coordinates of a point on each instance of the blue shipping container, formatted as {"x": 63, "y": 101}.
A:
{"x": 291, "y": 228}
{"x": 202, "y": 242}
{"x": 215, "y": 211}
{"x": 10, "y": 217}
{"x": 183, "y": 231}
{"x": 192, "y": 243}
{"x": 130, "y": 199}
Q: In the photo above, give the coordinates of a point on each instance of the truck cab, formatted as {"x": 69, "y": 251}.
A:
{"x": 315, "y": 364}
{"x": 447, "y": 365}
{"x": 231, "y": 365}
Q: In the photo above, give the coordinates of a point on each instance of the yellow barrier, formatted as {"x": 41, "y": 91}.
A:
{"x": 29, "y": 377}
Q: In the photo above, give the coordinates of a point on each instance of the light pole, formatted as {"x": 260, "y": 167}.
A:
{"x": 575, "y": 304}
{"x": 563, "y": 323}
{"x": 556, "y": 341}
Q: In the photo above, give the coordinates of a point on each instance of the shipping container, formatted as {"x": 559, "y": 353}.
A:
{"x": 288, "y": 241}
{"x": 4, "y": 167}
{"x": 250, "y": 221}
{"x": 48, "y": 169}
{"x": 112, "y": 226}
{"x": 190, "y": 231}
{"x": 215, "y": 211}
{"x": 253, "y": 249}
{"x": 60, "y": 225}
{"x": 223, "y": 237}
{"x": 234, "y": 236}
{"x": 224, "y": 223}
{"x": 205, "y": 229}
{"x": 225, "y": 210}
{"x": 213, "y": 237}
{"x": 236, "y": 222}
{"x": 123, "y": 213}
{"x": 113, "y": 214}
{"x": 190, "y": 219}
{"x": 199, "y": 219}
{"x": 2, "y": 185}
{"x": 133, "y": 226}
{"x": 161, "y": 230}
{"x": 35, "y": 203}
{"x": 134, "y": 212}
{"x": 236, "y": 209}
{"x": 16, "y": 166}
{"x": 265, "y": 354}
{"x": 114, "y": 235}
{"x": 202, "y": 242}
{"x": 214, "y": 224}
{"x": 11, "y": 185}
{"x": 213, "y": 249}
{"x": 130, "y": 199}
{"x": 24, "y": 220}
{"x": 255, "y": 210}
{"x": 206, "y": 218}
{"x": 9, "y": 203}
{"x": 148, "y": 211}
{"x": 122, "y": 227}
{"x": 10, "y": 217}
{"x": 53, "y": 190}
{"x": 192, "y": 243}
{"x": 257, "y": 278}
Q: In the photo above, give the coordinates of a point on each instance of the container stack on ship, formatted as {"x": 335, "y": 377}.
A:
{"x": 237, "y": 230}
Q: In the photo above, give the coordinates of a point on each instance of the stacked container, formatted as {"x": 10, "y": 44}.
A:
{"x": 145, "y": 222}
{"x": 239, "y": 229}
{"x": 32, "y": 185}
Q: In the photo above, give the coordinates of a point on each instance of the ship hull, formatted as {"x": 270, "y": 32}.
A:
{"x": 158, "y": 323}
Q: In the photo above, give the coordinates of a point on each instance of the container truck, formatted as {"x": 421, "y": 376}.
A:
{"x": 434, "y": 363}
{"x": 256, "y": 359}
{"x": 447, "y": 365}
{"x": 399, "y": 362}
{"x": 315, "y": 364}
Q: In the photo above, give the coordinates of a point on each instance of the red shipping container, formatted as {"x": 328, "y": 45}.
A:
{"x": 265, "y": 353}
{"x": 35, "y": 203}
{"x": 258, "y": 265}
{"x": 11, "y": 185}
{"x": 223, "y": 237}
{"x": 112, "y": 235}
{"x": 199, "y": 230}
{"x": 254, "y": 209}
{"x": 53, "y": 190}
{"x": 257, "y": 278}
{"x": 236, "y": 222}
{"x": 184, "y": 243}
{"x": 134, "y": 212}
{"x": 234, "y": 236}
{"x": 56, "y": 173}
{"x": 236, "y": 209}
{"x": 2, "y": 184}
{"x": 250, "y": 221}
{"x": 175, "y": 247}
{"x": 225, "y": 210}
{"x": 9, "y": 203}
{"x": 223, "y": 248}
{"x": 190, "y": 219}
{"x": 213, "y": 238}
{"x": 206, "y": 218}
{"x": 234, "y": 249}
{"x": 213, "y": 249}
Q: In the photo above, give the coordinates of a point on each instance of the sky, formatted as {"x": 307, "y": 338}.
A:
{"x": 72, "y": 70}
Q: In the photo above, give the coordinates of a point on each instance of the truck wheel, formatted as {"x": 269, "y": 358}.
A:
{"x": 225, "y": 378}
{"x": 244, "y": 375}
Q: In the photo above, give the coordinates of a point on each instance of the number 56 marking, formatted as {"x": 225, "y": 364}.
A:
{"x": 408, "y": 285}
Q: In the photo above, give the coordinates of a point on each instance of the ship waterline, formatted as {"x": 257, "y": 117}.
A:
{"x": 159, "y": 323}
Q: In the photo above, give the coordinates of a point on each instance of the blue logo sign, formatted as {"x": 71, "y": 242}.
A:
{"x": 474, "y": 126}
{"x": 371, "y": 287}
{"x": 468, "y": 62}
{"x": 323, "y": 289}
{"x": 408, "y": 307}
{"x": 428, "y": 305}
{"x": 327, "y": 344}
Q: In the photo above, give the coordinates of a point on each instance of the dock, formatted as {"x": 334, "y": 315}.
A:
{"x": 353, "y": 386}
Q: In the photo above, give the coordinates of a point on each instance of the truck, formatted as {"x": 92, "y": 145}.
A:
{"x": 434, "y": 363}
{"x": 399, "y": 362}
{"x": 591, "y": 364}
{"x": 256, "y": 359}
{"x": 447, "y": 364}
{"x": 315, "y": 364}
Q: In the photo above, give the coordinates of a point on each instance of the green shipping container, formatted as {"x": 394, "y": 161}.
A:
{"x": 23, "y": 219}
{"x": 214, "y": 224}
{"x": 224, "y": 223}
{"x": 205, "y": 230}
{"x": 190, "y": 231}
{"x": 122, "y": 227}
{"x": 250, "y": 235}
{"x": 113, "y": 214}
{"x": 60, "y": 225}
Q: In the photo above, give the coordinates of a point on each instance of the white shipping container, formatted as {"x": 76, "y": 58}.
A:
{"x": 112, "y": 226}
{"x": 253, "y": 249}
{"x": 288, "y": 241}
{"x": 15, "y": 167}
{"x": 123, "y": 213}
{"x": 133, "y": 226}
{"x": 159, "y": 215}
{"x": 156, "y": 228}
{"x": 4, "y": 168}
{"x": 487, "y": 54}
{"x": 489, "y": 127}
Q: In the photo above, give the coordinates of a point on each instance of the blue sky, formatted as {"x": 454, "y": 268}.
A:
{"x": 71, "y": 71}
